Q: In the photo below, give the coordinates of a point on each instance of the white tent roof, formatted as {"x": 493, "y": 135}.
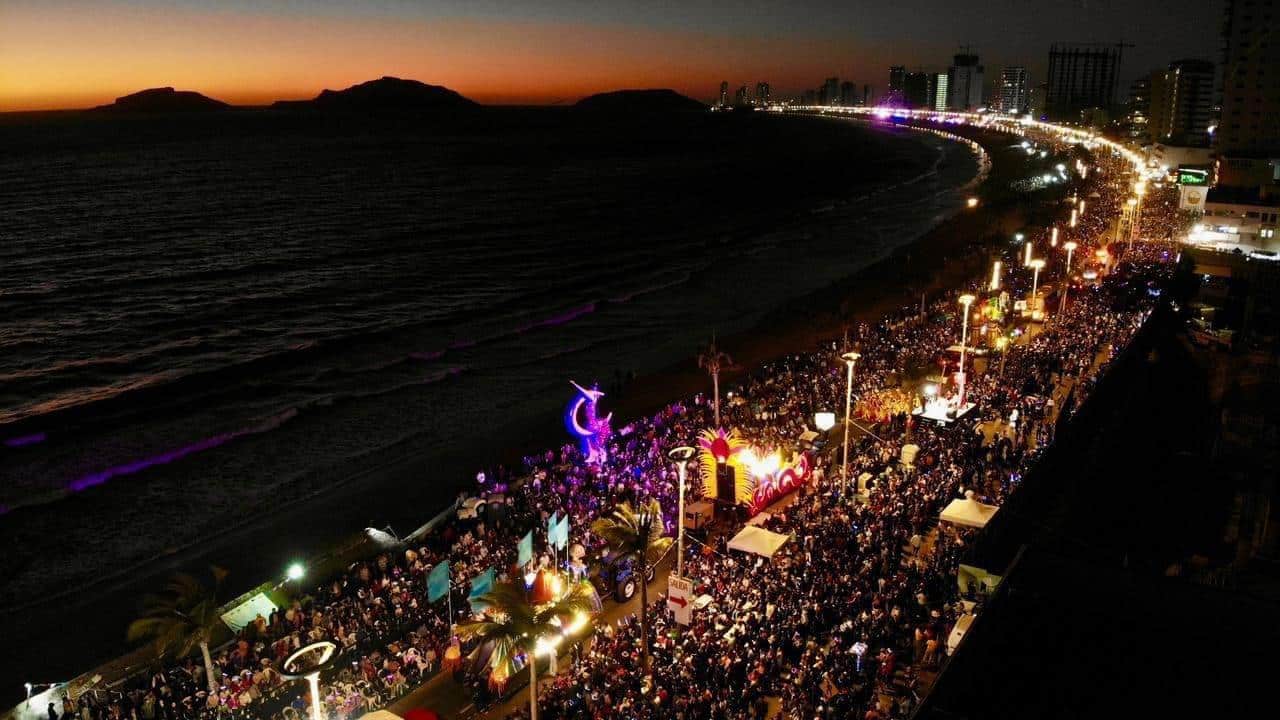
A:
{"x": 757, "y": 540}
{"x": 380, "y": 715}
{"x": 968, "y": 512}
{"x": 957, "y": 633}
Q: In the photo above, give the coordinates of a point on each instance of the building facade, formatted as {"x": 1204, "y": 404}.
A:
{"x": 938, "y": 84}
{"x": 1180, "y": 106}
{"x": 762, "y": 93}
{"x": 1013, "y": 96}
{"x": 1081, "y": 82}
{"x": 1248, "y": 134}
{"x": 724, "y": 93}
{"x": 964, "y": 83}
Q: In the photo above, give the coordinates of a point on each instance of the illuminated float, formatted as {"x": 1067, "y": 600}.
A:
{"x": 734, "y": 472}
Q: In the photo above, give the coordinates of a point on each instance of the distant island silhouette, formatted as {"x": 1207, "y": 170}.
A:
{"x": 392, "y": 94}
{"x": 386, "y": 93}
{"x": 656, "y": 100}
{"x": 164, "y": 100}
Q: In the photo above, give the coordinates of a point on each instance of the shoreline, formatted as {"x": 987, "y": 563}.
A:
{"x": 890, "y": 282}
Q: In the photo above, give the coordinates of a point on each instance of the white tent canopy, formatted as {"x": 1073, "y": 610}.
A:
{"x": 380, "y": 715}
{"x": 759, "y": 541}
{"x": 968, "y": 512}
{"x": 957, "y": 633}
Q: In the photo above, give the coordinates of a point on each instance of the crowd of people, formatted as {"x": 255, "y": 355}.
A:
{"x": 848, "y": 613}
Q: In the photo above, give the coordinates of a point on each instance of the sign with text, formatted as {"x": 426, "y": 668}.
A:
{"x": 680, "y": 598}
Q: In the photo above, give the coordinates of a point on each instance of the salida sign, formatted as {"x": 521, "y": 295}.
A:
{"x": 680, "y": 598}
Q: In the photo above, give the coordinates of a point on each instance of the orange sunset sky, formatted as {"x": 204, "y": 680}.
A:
{"x": 71, "y": 55}
{"x": 79, "y": 53}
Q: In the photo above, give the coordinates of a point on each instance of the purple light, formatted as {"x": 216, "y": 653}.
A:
{"x": 26, "y": 440}
{"x": 560, "y": 319}
{"x": 97, "y": 478}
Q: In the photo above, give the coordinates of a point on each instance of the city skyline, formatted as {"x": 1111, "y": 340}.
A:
{"x": 71, "y": 54}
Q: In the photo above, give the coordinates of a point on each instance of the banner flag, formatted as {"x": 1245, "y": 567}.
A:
{"x": 438, "y": 582}
{"x": 562, "y": 533}
{"x": 553, "y": 526}
{"x": 524, "y": 553}
{"x": 480, "y": 585}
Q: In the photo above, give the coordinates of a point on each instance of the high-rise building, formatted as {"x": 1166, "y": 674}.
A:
{"x": 897, "y": 82}
{"x": 1013, "y": 97}
{"x": 762, "y": 93}
{"x": 1137, "y": 111}
{"x": 742, "y": 97}
{"x": 1082, "y": 80}
{"x": 1248, "y": 134}
{"x": 1181, "y": 103}
{"x": 724, "y": 93}
{"x": 849, "y": 93}
{"x": 938, "y": 83}
{"x": 831, "y": 91}
{"x": 868, "y": 97}
{"x": 964, "y": 83}
{"x": 915, "y": 90}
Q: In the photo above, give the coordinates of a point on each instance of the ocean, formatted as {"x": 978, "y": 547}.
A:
{"x": 205, "y": 318}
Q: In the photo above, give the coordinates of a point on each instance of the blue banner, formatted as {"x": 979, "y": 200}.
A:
{"x": 562, "y": 533}
{"x": 438, "y": 582}
{"x": 524, "y": 554}
{"x": 553, "y": 526}
{"x": 480, "y": 585}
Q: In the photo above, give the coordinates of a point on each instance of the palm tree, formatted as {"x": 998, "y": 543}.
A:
{"x": 713, "y": 360}
{"x": 512, "y": 624}
{"x": 184, "y": 617}
{"x": 637, "y": 532}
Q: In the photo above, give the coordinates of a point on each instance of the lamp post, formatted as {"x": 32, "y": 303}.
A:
{"x": 850, "y": 359}
{"x": 1026, "y": 254}
{"x": 681, "y": 456}
{"x": 995, "y": 276}
{"x": 307, "y": 662}
{"x": 966, "y": 301}
{"x": 1053, "y": 237}
{"x": 1074, "y": 216}
{"x": 1036, "y": 265}
{"x": 1066, "y": 280}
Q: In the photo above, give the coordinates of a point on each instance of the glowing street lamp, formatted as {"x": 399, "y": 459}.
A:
{"x": 966, "y": 301}
{"x": 295, "y": 571}
{"x": 307, "y": 662}
{"x": 850, "y": 359}
{"x": 995, "y": 276}
{"x": 1066, "y": 282}
{"x": 681, "y": 457}
{"x": 1053, "y": 237}
{"x": 1036, "y": 265}
{"x": 972, "y": 202}
{"x": 1002, "y": 344}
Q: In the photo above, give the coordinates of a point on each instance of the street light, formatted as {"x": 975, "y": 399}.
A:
{"x": 1053, "y": 237}
{"x": 295, "y": 571}
{"x": 1036, "y": 265}
{"x": 1002, "y": 344}
{"x": 850, "y": 359}
{"x": 307, "y": 663}
{"x": 966, "y": 301}
{"x": 681, "y": 456}
{"x": 1066, "y": 280}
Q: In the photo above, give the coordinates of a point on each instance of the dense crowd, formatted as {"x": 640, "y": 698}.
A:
{"x": 851, "y": 610}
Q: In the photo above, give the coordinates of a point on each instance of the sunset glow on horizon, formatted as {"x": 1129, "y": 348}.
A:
{"x": 249, "y": 58}
{"x": 57, "y": 54}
